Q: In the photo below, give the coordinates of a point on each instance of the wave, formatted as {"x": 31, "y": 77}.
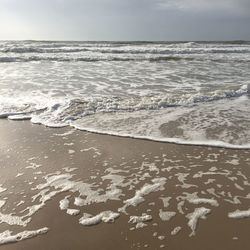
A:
{"x": 10, "y": 59}
{"x": 128, "y": 50}
{"x": 175, "y": 140}
{"x": 89, "y": 59}
{"x": 178, "y": 89}
{"x": 113, "y": 124}
{"x": 101, "y": 103}
{"x": 170, "y": 51}
{"x": 140, "y": 117}
{"x": 210, "y": 143}
{"x": 23, "y": 50}
{"x": 75, "y": 108}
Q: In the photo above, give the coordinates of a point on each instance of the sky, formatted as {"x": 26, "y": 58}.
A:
{"x": 125, "y": 20}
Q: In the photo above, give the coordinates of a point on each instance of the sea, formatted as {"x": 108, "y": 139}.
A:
{"x": 181, "y": 92}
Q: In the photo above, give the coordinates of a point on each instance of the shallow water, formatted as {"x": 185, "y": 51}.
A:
{"x": 194, "y": 93}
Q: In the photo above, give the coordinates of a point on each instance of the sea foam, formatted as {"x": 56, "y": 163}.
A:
{"x": 7, "y": 236}
{"x": 106, "y": 216}
{"x": 238, "y": 214}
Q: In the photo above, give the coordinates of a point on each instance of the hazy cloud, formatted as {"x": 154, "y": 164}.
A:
{"x": 125, "y": 19}
{"x": 231, "y": 6}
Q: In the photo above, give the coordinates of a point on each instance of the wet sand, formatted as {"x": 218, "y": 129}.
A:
{"x": 29, "y": 153}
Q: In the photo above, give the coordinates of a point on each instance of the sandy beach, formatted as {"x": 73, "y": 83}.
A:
{"x": 162, "y": 184}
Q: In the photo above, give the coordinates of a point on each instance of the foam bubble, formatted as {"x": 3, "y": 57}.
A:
{"x": 212, "y": 202}
{"x": 19, "y": 174}
{"x": 176, "y": 230}
{"x": 199, "y": 213}
{"x": 239, "y": 214}
{"x": 146, "y": 189}
{"x": 7, "y": 237}
{"x": 166, "y": 215}
{"x": 64, "y": 204}
{"x": 79, "y": 201}
{"x": 19, "y": 117}
{"x": 13, "y": 220}
{"x": 137, "y": 219}
{"x": 73, "y": 211}
{"x": 140, "y": 225}
{"x": 161, "y": 237}
{"x": 106, "y": 216}
{"x": 165, "y": 201}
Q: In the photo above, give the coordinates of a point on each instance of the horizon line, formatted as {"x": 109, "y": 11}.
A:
{"x": 120, "y": 41}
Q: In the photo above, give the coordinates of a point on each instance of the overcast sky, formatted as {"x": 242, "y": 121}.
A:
{"x": 125, "y": 19}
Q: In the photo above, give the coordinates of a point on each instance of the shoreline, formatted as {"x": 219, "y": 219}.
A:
{"x": 177, "y": 141}
{"x": 166, "y": 178}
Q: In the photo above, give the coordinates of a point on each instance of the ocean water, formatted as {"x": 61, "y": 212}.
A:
{"x": 185, "y": 92}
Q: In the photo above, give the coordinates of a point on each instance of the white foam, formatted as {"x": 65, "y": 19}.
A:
{"x": 137, "y": 219}
{"x": 147, "y": 124}
{"x": 238, "y": 214}
{"x": 19, "y": 203}
{"x": 54, "y": 117}
{"x": 19, "y": 117}
{"x": 146, "y": 189}
{"x": 73, "y": 211}
{"x": 238, "y": 187}
{"x": 212, "y": 202}
{"x": 79, "y": 202}
{"x": 233, "y": 200}
{"x": 209, "y": 181}
{"x": 234, "y": 162}
{"x": 19, "y": 174}
{"x": 63, "y": 182}
{"x": 2, "y": 203}
{"x": 116, "y": 180}
{"x": 70, "y": 132}
{"x": 176, "y": 230}
{"x": 69, "y": 170}
{"x": 45, "y": 196}
{"x": 7, "y": 237}
{"x": 185, "y": 197}
{"x": 179, "y": 206}
{"x": 213, "y": 169}
{"x": 140, "y": 225}
{"x": 166, "y": 215}
{"x": 2, "y": 189}
{"x": 33, "y": 166}
{"x": 64, "y": 203}
{"x": 212, "y": 143}
{"x": 165, "y": 201}
{"x": 199, "y": 213}
{"x": 161, "y": 237}
{"x": 106, "y": 216}
{"x": 201, "y": 174}
{"x": 13, "y": 220}
{"x": 181, "y": 178}
{"x": 151, "y": 167}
